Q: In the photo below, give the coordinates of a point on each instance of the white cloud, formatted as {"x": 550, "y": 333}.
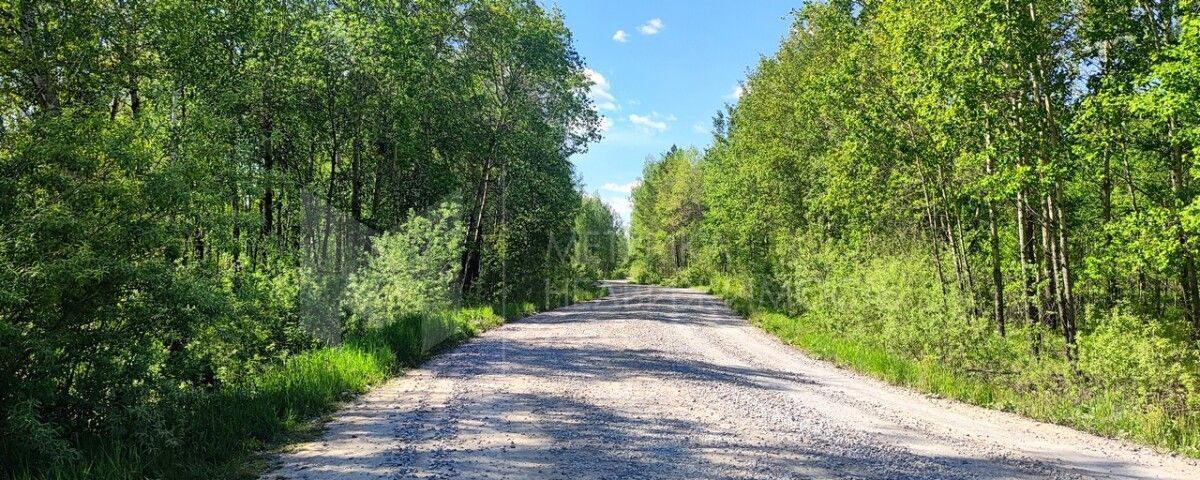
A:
{"x": 736, "y": 93}
{"x": 622, "y": 205}
{"x": 625, "y": 188}
{"x": 699, "y": 128}
{"x": 605, "y": 124}
{"x": 653, "y": 123}
{"x": 648, "y": 124}
{"x": 621, "y": 36}
{"x": 601, "y": 91}
{"x": 652, "y": 27}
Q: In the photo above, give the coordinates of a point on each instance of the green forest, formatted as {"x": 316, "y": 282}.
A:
{"x": 988, "y": 200}
{"x": 220, "y": 218}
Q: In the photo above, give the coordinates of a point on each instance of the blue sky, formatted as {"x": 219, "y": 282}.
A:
{"x": 661, "y": 80}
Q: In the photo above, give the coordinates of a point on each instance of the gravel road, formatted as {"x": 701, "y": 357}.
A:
{"x": 654, "y": 382}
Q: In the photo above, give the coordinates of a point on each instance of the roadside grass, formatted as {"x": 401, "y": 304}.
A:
{"x": 222, "y": 434}
{"x": 1046, "y": 390}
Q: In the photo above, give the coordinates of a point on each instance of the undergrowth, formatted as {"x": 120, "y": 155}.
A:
{"x": 1128, "y": 383}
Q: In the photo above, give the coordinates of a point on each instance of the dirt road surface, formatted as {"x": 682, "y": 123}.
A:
{"x": 654, "y": 382}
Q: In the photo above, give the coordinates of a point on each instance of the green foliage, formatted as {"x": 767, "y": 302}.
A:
{"x": 1144, "y": 361}
{"x": 411, "y": 271}
{"x": 895, "y": 296}
{"x": 600, "y": 246}
{"x": 666, "y": 214}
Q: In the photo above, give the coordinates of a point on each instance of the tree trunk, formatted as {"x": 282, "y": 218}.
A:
{"x": 268, "y": 159}
{"x": 135, "y": 100}
{"x": 1051, "y": 307}
{"x": 386, "y": 164}
{"x": 356, "y": 182}
{"x": 935, "y": 235}
{"x": 1066, "y": 280}
{"x": 235, "y": 204}
{"x": 39, "y": 73}
{"x": 1026, "y": 252}
{"x": 472, "y": 255}
{"x": 948, "y": 229}
{"x": 1111, "y": 290}
{"x": 994, "y": 243}
{"x": 355, "y": 237}
{"x": 1187, "y": 270}
{"x": 333, "y": 160}
{"x": 198, "y": 243}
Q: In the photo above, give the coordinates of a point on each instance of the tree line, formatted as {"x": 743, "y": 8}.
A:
{"x": 189, "y": 188}
{"x": 1002, "y": 186}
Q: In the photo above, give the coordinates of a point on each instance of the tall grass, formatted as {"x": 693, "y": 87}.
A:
{"x": 219, "y": 434}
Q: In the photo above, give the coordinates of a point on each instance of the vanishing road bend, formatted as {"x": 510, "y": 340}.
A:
{"x": 654, "y": 382}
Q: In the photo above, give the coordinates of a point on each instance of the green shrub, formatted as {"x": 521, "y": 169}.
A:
{"x": 690, "y": 276}
{"x": 216, "y": 434}
{"x": 1123, "y": 353}
{"x": 411, "y": 271}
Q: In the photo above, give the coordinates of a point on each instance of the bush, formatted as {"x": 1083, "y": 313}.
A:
{"x": 893, "y": 299}
{"x": 412, "y": 271}
{"x": 690, "y": 276}
{"x": 216, "y": 433}
{"x": 1127, "y": 354}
